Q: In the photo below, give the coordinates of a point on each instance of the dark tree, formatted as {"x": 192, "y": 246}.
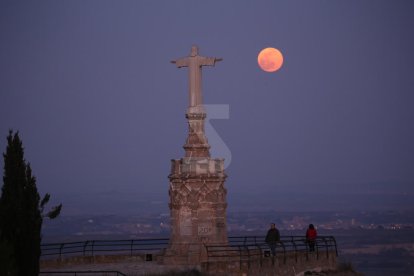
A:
{"x": 21, "y": 213}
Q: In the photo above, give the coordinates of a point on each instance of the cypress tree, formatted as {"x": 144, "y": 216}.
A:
{"x": 21, "y": 213}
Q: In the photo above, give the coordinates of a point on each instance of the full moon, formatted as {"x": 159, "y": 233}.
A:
{"x": 270, "y": 59}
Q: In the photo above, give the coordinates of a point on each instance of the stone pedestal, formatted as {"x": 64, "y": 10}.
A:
{"x": 197, "y": 198}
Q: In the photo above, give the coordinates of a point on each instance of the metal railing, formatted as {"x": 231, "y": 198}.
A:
{"x": 103, "y": 247}
{"x": 246, "y": 247}
{"x": 288, "y": 243}
{"x": 75, "y": 273}
{"x": 253, "y": 248}
{"x": 234, "y": 252}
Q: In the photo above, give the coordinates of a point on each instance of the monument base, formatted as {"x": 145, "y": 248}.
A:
{"x": 198, "y": 209}
{"x": 185, "y": 254}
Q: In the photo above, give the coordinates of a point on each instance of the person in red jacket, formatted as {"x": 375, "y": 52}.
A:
{"x": 311, "y": 237}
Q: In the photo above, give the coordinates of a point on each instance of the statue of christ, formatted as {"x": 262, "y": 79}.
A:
{"x": 194, "y": 62}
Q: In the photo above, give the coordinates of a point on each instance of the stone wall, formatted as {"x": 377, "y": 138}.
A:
{"x": 232, "y": 266}
{"x": 269, "y": 266}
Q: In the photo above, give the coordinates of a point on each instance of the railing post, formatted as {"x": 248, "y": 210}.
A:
{"x": 60, "y": 250}
{"x": 248, "y": 256}
{"x": 296, "y": 251}
{"x": 261, "y": 254}
{"x": 284, "y": 252}
{"x": 84, "y": 247}
{"x": 92, "y": 251}
{"x": 208, "y": 257}
{"x": 132, "y": 244}
{"x": 240, "y": 255}
{"x": 307, "y": 248}
{"x": 336, "y": 248}
{"x": 326, "y": 247}
{"x": 317, "y": 248}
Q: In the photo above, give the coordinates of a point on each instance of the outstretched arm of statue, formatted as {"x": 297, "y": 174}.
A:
{"x": 182, "y": 62}
{"x": 209, "y": 61}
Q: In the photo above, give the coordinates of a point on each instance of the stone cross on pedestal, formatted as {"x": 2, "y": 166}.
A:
{"x": 194, "y": 62}
{"x": 197, "y": 193}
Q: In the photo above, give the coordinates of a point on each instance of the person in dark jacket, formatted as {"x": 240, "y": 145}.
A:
{"x": 311, "y": 237}
{"x": 272, "y": 238}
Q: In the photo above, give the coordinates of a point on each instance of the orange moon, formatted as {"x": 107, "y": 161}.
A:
{"x": 270, "y": 59}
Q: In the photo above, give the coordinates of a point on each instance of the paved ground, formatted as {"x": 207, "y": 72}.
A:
{"x": 130, "y": 266}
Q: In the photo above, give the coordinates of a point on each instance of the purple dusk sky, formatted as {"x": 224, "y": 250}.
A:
{"x": 100, "y": 108}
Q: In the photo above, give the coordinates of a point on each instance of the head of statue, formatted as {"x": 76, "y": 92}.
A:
{"x": 194, "y": 50}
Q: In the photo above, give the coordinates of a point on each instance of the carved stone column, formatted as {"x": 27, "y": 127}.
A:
{"x": 197, "y": 198}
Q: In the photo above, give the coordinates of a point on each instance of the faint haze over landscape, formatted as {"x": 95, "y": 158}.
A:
{"x": 100, "y": 108}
